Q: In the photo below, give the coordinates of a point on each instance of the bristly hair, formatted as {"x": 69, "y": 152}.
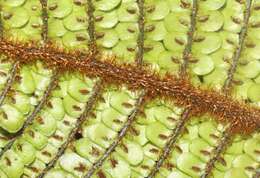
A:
{"x": 242, "y": 117}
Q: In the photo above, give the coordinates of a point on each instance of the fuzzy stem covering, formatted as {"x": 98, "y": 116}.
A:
{"x": 242, "y": 117}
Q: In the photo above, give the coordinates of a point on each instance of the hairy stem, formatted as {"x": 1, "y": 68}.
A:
{"x": 89, "y": 106}
{"x": 227, "y": 136}
{"x": 177, "y": 131}
{"x": 118, "y": 139}
{"x": 9, "y": 82}
{"x": 244, "y": 118}
{"x": 238, "y": 52}
{"x": 170, "y": 143}
{"x": 140, "y": 40}
{"x": 91, "y": 25}
{"x": 13, "y": 71}
{"x": 222, "y": 145}
{"x": 187, "y": 50}
{"x": 31, "y": 117}
{"x": 140, "y": 101}
{"x": 90, "y": 103}
{"x": 44, "y": 20}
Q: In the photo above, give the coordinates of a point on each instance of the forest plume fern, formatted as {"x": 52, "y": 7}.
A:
{"x": 129, "y": 88}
